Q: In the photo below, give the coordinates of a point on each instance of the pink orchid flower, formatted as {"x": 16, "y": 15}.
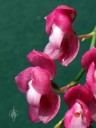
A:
{"x": 88, "y": 58}
{"x": 78, "y": 116}
{"x": 63, "y": 43}
{"x": 36, "y": 83}
{"x": 84, "y": 94}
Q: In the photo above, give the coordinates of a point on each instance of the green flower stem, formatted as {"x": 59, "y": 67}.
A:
{"x": 59, "y": 124}
{"x": 93, "y": 42}
{"x": 72, "y": 83}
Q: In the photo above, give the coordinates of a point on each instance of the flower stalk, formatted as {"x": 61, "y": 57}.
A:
{"x": 87, "y": 36}
{"x": 72, "y": 83}
{"x": 59, "y": 124}
{"x": 93, "y": 42}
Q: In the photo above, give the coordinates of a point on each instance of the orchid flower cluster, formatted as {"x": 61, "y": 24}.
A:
{"x": 36, "y": 81}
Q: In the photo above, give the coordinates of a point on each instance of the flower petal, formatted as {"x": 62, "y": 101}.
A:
{"x": 77, "y": 92}
{"x": 92, "y": 107}
{"x": 32, "y": 96}
{"x": 41, "y": 80}
{"x": 88, "y": 58}
{"x": 33, "y": 113}
{"x": 78, "y": 116}
{"x": 49, "y": 106}
{"x": 22, "y": 79}
{"x": 63, "y": 47}
{"x": 91, "y": 78}
{"x": 42, "y": 60}
{"x": 62, "y": 16}
{"x": 69, "y": 48}
{"x": 52, "y": 49}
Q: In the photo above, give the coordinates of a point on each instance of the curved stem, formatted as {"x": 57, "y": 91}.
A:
{"x": 72, "y": 83}
{"x": 86, "y": 36}
{"x": 77, "y": 78}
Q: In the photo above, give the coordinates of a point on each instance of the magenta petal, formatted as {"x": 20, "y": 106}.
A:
{"x": 92, "y": 107}
{"x": 41, "y": 80}
{"x": 88, "y": 58}
{"x": 33, "y": 114}
{"x": 77, "y": 92}
{"x": 91, "y": 78}
{"x": 22, "y": 80}
{"x": 70, "y": 12}
{"x": 49, "y": 106}
{"x": 62, "y": 16}
{"x": 49, "y": 22}
{"x": 78, "y": 116}
{"x": 69, "y": 48}
{"x": 42, "y": 60}
{"x": 63, "y": 22}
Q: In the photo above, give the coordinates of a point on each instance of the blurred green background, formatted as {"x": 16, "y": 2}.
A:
{"x": 22, "y": 28}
